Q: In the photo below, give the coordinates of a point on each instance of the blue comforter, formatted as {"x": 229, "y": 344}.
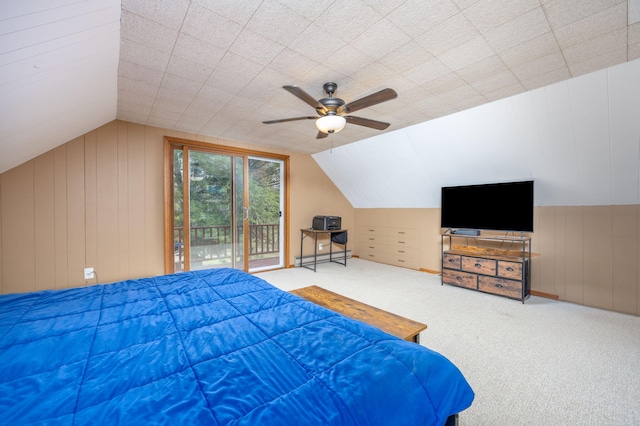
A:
{"x": 210, "y": 347}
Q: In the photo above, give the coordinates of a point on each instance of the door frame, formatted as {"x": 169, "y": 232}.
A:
{"x": 172, "y": 142}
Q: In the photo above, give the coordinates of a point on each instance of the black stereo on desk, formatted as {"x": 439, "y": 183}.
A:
{"x": 327, "y": 223}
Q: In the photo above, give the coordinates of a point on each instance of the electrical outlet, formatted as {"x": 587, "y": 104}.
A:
{"x": 89, "y": 273}
{"x": 320, "y": 246}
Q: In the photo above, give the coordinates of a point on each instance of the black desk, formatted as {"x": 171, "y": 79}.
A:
{"x": 314, "y": 232}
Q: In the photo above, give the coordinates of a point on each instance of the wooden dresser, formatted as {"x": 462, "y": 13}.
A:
{"x": 393, "y": 246}
{"x": 492, "y": 264}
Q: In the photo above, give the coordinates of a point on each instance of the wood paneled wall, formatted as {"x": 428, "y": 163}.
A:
{"x": 587, "y": 254}
{"x": 92, "y": 202}
{"x": 97, "y": 201}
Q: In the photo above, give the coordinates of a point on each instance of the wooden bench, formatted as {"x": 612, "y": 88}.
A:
{"x": 393, "y": 324}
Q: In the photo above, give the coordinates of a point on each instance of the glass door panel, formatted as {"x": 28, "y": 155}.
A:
{"x": 211, "y": 211}
{"x": 240, "y": 211}
{"x": 265, "y": 213}
{"x": 178, "y": 211}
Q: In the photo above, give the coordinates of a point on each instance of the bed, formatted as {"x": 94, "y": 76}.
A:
{"x": 215, "y": 347}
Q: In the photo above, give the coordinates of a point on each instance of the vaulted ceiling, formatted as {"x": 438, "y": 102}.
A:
{"x": 217, "y": 67}
{"x": 578, "y": 140}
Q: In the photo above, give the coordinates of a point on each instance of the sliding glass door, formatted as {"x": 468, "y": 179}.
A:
{"x": 265, "y": 214}
{"x": 227, "y": 210}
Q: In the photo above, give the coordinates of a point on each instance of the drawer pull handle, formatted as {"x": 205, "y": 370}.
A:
{"x": 510, "y": 269}
{"x": 477, "y": 265}
{"x": 401, "y": 232}
{"x": 371, "y": 247}
{"x": 400, "y": 242}
{"x": 459, "y": 278}
{"x": 499, "y": 285}
{"x": 452, "y": 261}
{"x": 400, "y": 260}
{"x": 400, "y": 251}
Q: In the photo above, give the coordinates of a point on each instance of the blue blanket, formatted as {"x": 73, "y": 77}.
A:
{"x": 210, "y": 347}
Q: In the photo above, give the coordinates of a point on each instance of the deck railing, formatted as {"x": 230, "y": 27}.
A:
{"x": 215, "y": 242}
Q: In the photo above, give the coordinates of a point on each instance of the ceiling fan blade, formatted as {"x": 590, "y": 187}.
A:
{"x": 301, "y": 94}
{"x": 321, "y": 135}
{"x": 379, "y": 125}
{"x": 373, "y": 99}
{"x": 283, "y": 120}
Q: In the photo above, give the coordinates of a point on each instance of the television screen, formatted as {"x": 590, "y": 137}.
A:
{"x": 496, "y": 206}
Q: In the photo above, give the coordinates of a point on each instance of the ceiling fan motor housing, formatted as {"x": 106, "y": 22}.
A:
{"x": 331, "y": 104}
{"x": 330, "y": 88}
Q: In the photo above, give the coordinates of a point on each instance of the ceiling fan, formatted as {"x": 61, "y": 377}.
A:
{"x": 332, "y": 111}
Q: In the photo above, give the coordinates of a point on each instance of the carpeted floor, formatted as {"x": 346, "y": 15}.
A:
{"x": 541, "y": 363}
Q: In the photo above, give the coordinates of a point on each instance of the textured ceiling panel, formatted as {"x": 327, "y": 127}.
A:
{"x": 217, "y": 68}
{"x": 441, "y": 56}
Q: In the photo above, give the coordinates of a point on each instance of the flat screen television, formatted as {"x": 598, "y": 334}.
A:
{"x": 496, "y": 206}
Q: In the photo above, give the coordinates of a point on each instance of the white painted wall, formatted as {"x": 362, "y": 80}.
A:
{"x": 578, "y": 139}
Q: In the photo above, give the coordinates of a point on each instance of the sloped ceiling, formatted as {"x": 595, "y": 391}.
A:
{"x": 579, "y": 140}
{"x": 216, "y": 67}
{"x": 58, "y": 73}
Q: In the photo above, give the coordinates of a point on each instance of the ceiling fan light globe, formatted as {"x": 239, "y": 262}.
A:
{"x": 331, "y": 123}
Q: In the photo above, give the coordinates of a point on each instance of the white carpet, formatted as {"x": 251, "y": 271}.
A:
{"x": 540, "y": 363}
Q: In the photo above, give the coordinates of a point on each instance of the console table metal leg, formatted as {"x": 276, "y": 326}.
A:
{"x": 315, "y": 252}
{"x": 345, "y": 254}
{"x": 301, "y": 243}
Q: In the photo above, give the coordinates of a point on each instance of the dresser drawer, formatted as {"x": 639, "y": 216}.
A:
{"x": 407, "y": 237}
{"x": 406, "y": 261}
{"x": 511, "y": 270}
{"x": 402, "y": 232}
{"x": 372, "y": 230}
{"x": 478, "y": 265}
{"x": 374, "y": 238}
{"x": 402, "y": 241}
{"x": 500, "y": 286}
{"x": 372, "y": 247}
{"x": 461, "y": 279}
{"x": 451, "y": 261}
{"x": 403, "y": 251}
{"x": 403, "y": 256}
{"x": 372, "y": 251}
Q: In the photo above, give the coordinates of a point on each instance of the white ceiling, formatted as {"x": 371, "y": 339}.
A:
{"x": 216, "y": 67}
{"x": 58, "y": 73}
{"x": 578, "y": 140}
